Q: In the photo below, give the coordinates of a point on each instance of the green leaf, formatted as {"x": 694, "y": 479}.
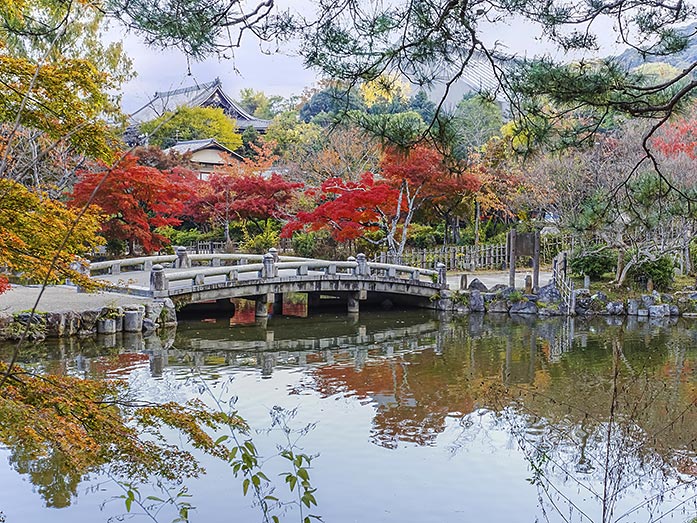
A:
{"x": 155, "y": 498}
{"x": 221, "y": 439}
{"x": 245, "y": 486}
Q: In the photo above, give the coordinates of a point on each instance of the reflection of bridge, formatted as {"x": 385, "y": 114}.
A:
{"x": 265, "y": 278}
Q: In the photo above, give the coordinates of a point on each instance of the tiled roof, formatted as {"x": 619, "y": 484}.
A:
{"x": 197, "y": 145}
{"x": 210, "y": 94}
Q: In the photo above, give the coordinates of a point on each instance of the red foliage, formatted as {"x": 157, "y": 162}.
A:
{"x": 137, "y": 199}
{"x": 349, "y": 209}
{"x": 680, "y": 137}
{"x": 244, "y": 196}
{"x": 4, "y": 284}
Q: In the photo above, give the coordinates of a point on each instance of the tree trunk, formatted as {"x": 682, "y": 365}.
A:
{"x": 620, "y": 267}
{"x": 476, "y": 222}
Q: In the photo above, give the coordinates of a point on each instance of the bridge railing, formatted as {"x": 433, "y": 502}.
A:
{"x": 181, "y": 260}
{"x": 269, "y": 268}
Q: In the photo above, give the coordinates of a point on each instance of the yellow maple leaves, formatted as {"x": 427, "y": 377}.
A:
{"x": 34, "y": 229}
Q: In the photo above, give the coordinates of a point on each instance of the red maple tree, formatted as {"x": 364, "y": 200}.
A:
{"x": 409, "y": 180}
{"x": 243, "y": 196}
{"x": 137, "y": 199}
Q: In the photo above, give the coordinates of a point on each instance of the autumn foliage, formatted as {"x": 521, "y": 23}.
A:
{"x": 70, "y": 427}
{"x": 136, "y": 199}
{"x": 350, "y": 210}
{"x": 347, "y": 209}
{"x": 35, "y": 229}
{"x": 680, "y": 137}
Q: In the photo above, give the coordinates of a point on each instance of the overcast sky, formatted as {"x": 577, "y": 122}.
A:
{"x": 280, "y": 74}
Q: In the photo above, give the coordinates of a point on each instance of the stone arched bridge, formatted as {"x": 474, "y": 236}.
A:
{"x": 196, "y": 278}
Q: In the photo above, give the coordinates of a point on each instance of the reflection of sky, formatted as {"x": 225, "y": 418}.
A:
{"x": 468, "y": 466}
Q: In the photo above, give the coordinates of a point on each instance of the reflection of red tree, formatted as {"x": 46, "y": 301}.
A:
{"x": 411, "y": 401}
{"x": 118, "y": 365}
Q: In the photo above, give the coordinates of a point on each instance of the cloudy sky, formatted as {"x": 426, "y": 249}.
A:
{"x": 163, "y": 70}
{"x": 281, "y": 73}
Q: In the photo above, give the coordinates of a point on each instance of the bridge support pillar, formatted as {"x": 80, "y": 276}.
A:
{"x": 354, "y": 302}
{"x": 261, "y": 309}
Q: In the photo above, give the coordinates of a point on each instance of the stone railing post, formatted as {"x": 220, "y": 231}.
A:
{"x": 273, "y": 251}
{"x": 269, "y": 266}
{"x": 182, "y": 261}
{"x": 442, "y": 276}
{"x": 362, "y": 269}
{"x": 158, "y": 279}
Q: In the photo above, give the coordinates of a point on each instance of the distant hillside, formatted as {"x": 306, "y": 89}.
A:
{"x": 681, "y": 60}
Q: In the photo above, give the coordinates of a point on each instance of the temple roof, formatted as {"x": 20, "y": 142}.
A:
{"x": 210, "y": 94}
{"x": 196, "y": 145}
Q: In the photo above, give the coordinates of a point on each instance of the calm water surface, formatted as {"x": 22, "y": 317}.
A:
{"x": 414, "y": 417}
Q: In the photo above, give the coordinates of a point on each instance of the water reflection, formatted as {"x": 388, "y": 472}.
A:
{"x": 597, "y": 408}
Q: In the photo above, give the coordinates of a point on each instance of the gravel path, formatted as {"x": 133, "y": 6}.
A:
{"x": 61, "y": 298}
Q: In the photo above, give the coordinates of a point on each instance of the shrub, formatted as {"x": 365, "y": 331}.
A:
{"x": 261, "y": 243}
{"x": 422, "y": 236}
{"x": 593, "y": 263}
{"x": 660, "y": 271}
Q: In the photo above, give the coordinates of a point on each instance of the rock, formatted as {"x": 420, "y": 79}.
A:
{"x": 106, "y": 326}
{"x": 583, "y": 301}
{"x": 686, "y": 305}
{"x": 461, "y": 309}
{"x": 72, "y": 323}
{"x": 505, "y": 293}
{"x": 498, "y": 306}
{"x": 476, "y": 285}
{"x": 632, "y": 307}
{"x": 600, "y": 297}
{"x": 476, "y": 301}
{"x": 154, "y": 309}
{"x": 659, "y": 311}
{"x": 647, "y": 300}
{"x": 642, "y": 313}
{"x": 674, "y": 311}
{"x": 523, "y": 307}
{"x": 55, "y": 324}
{"x": 149, "y": 325}
{"x": 666, "y": 298}
{"x": 498, "y": 288}
{"x": 88, "y": 322}
{"x": 549, "y": 311}
{"x": 615, "y": 308}
{"x": 548, "y": 294}
{"x": 28, "y": 317}
{"x": 168, "y": 316}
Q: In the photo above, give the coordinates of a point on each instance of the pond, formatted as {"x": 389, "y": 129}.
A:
{"x": 410, "y": 416}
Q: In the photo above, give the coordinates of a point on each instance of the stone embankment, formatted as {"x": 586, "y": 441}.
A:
{"x": 81, "y": 317}
{"x": 549, "y": 302}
